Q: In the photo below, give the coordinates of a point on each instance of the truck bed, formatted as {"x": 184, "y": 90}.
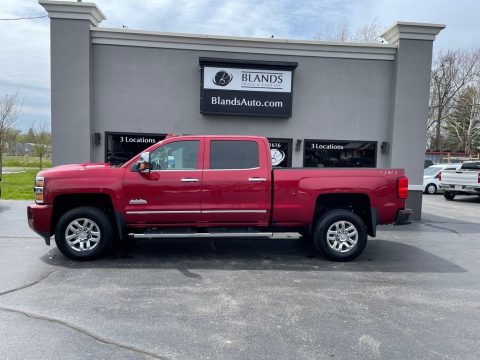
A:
{"x": 298, "y": 192}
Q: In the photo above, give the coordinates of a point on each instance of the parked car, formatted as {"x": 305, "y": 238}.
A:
{"x": 465, "y": 180}
{"x": 431, "y": 176}
{"x": 228, "y": 190}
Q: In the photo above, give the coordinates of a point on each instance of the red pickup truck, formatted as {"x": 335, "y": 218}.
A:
{"x": 213, "y": 186}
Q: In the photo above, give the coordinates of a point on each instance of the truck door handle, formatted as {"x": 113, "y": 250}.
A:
{"x": 189, "y": 180}
{"x": 257, "y": 179}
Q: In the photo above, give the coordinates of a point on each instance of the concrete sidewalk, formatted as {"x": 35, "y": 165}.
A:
{"x": 12, "y": 170}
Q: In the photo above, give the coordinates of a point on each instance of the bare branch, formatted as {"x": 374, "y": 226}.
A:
{"x": 9, "y": 112}
{"x": 41, "y": 139}
{"x": 368, "y": 33}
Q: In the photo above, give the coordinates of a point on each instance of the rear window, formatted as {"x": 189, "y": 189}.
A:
{"x": 471, "y": 166}
{"x": 233, "y": 154}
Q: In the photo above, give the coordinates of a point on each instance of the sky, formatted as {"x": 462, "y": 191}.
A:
{"x": 25, "y": 44}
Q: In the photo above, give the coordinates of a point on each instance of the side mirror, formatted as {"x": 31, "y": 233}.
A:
{"x": 143, "y": 163}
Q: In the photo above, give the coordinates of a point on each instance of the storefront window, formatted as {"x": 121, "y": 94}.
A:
{"x": 324, "y": 153}
{"x": 281, "y": 151}
{"x": 121, "y": 147}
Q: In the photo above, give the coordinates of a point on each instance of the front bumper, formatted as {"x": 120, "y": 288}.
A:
{"x": 40, "y": 220}
{"x": 403, "y": 217}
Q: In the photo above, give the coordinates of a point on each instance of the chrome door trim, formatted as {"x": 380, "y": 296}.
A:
{"x": 200, "y": 235}
{"x": 233, "y": 211}
{"x": 146, "y": 212}
{"x": 197, "y": 212}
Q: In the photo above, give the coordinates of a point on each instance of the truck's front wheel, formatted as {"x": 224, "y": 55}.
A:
{"x": 340, "y": 235}
{"x": 84, "y": 233}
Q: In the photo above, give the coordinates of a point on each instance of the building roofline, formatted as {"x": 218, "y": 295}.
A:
{"x": 128, "y": 37}
{"x": 73, "y": 11}
{"x": 412, "y": 31}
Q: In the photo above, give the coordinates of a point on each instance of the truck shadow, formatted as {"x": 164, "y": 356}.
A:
{"x": 187, "y": 255}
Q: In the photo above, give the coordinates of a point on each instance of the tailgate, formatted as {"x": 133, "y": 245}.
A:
{"x": 460, "y": 177}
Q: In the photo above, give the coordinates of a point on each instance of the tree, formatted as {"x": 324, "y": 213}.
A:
{"x": 463, "y": 125}
{"x": 342, "y": 34}
{"x": 368, "y": 33}
{"x": 451, "y": 72}
{"x": 41, "y": 139}
{"x": 9, "y": 111}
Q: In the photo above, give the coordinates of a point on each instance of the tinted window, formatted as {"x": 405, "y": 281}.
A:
{"x": 471, "y": 166}
{"x": 179, "y": 155}
{"x": 233, "y": 154}
{"x": 120, "y": 147}
{"x": 322, "y": 153}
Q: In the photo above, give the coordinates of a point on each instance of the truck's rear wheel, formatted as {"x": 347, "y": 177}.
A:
{"x": 449, "y": 195}
{"x": 84, "y": 233}
{"x": 340, "y": 235}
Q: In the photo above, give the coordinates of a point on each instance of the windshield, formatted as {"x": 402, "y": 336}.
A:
{"x": 431, "y": 170}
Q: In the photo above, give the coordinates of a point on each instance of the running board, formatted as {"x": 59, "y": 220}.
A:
{"x": 200, "y": 235}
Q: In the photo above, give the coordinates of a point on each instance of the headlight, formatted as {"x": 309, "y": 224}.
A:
{"x": 39, "y": 183}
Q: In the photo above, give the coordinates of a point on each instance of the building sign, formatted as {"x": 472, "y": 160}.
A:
{"x": 322, "y": 153}
{"x": 281, "y": 151}
{"x": 246, "y": 88}
{"x": 121, "y": 147}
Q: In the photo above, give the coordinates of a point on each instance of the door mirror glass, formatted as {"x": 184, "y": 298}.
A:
{"x": 143, "y": 163}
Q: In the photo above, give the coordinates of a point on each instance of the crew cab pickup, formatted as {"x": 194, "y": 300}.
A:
{"x": 213, "y": 186}
{"x": 465, "y": 180}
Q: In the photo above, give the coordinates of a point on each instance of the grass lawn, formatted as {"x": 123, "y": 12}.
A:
{"x": 26, "y": 161}
{"x": 18, "y": 186}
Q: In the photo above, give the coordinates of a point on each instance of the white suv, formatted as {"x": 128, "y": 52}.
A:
{"x": 431, "y": 176}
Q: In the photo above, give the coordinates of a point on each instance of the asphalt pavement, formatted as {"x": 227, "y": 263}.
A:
{"x": 413, "y": 294}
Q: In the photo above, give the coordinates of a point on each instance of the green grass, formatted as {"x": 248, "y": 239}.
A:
{"x": 25, "y": 161}
{"x": 18, "y": 186}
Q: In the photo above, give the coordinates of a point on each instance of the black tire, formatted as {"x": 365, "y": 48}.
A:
{"x": 94, "y": 229}
{"x": 449, "y": 195}
{"x": 430, "y": 189}
{"x": 341, "y": 245}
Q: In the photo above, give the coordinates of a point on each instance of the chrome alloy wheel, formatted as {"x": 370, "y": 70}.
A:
{"x": 82, "y": 235}
{"x": 342, "y": 236}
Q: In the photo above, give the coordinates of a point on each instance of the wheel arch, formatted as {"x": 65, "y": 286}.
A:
{"x": 64, "y": 203}
{"x": 357, "y": 203}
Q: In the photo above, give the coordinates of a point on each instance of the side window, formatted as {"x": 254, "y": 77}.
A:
{"x": 233, "y": 154}
{"x": 179, "y": 155}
